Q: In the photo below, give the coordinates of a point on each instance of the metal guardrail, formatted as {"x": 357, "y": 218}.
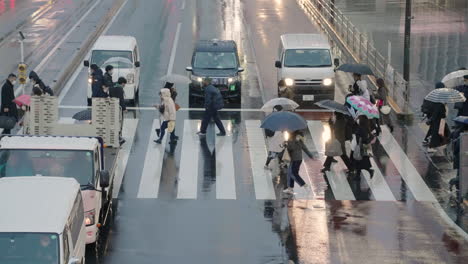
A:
{"x": 358, "y": 47}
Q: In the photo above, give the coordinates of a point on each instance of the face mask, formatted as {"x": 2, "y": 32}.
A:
{"x": 13, "y": 82}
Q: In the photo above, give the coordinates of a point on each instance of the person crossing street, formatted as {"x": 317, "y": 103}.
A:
{"x": 213, "y": 103}
{"x": 8, "y": 95}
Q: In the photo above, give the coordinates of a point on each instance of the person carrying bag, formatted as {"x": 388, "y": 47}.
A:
{"x": 167, "y": 115}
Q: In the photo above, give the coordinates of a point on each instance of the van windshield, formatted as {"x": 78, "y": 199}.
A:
{"x": 307, "y": 58}
{"x": 215, "y": 60}
{"x": 76, "y": 164}
{"x": 26, "y": 248}
{"x": 116, "y": 58}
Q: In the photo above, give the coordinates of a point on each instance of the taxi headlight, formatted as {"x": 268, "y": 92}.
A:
{"x": 289, "y": 82}
{"x": 230, "y": 80}
{"x": 327, "y": 81}
{"x": 130, "y": 78}
{"x": 89, "y": 217}
{"x": 197, "y": 78}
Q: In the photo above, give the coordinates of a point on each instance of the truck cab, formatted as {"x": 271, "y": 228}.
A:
{"x": 81, "y": 158}
{"x": 306, "y": 66}
{"x": 42, "y": 221}
{"x": 123, "y": 54}
{"x": 219, "y": 61}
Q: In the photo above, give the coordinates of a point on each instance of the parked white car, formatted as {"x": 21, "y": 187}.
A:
{"x": 123, "y": 54}
{"x": 42, "y": 221}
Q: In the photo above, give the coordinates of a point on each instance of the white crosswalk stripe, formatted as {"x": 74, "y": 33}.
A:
{"x": 188, "y": 172}
{"x": 151, "y": 175}
{"x": 225, "y": 172}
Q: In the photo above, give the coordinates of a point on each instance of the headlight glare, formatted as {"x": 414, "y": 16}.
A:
{"x": 90, "y": 80}
{"x": 289, "y": 82}
{"x": 230, "y": 80}
{"x": 327, "y": 81}
{"x": 90, "y": 217}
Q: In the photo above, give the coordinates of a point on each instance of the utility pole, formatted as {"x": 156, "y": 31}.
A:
{"x": 406, "y": 63}
{"x": 22, "y": 67}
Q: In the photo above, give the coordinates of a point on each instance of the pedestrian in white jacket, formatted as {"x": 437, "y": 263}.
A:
{"x": 167, "y": 112}
{"x": 275, "y": 142}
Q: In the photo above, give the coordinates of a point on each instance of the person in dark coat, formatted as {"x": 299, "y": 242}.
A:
{"x": 338, "y": 129}
{"x": 8, "y": 95}
{"x": 364, "y": 138}
{"x": 213, "y": 102}
{"x": 36, "y": 81}
{"x": 295, "y": 146}
{"x": 438, "y": 112}
{"x": 108, "y": 76}
{"x": 463, "y": 106}
{"x": 381, "y": 97}
{"x": 460, "y": 128}
{"x": 97, "y": 80}
{"x": 427, "y": 108}
{"x": 104, "y": 91}
{"x": 117, "y": 91}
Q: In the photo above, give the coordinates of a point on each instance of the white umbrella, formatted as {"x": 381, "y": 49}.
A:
{"x": 176, "y": 78}
{"x": 287, "y": 104}
{"x": 454, "y": 79}
{"x": 445, "y": 96}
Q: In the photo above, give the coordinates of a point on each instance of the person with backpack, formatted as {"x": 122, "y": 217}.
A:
{"x": 213, "y": 103}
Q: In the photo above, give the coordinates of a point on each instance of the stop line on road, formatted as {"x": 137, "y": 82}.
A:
{"x": 262, "y": 180}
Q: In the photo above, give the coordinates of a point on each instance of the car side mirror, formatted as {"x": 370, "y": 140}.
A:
{"x": 240, "y": 69}
{"x": 137, "y": 64}
{"x": 104, "y": 178}
{"x": 336, "y": 62}
{"x": 86, "y": 63}
{"x": 278, "y": 64}
{"x": 189, "y": 69}
{"x": 74, "y": 261}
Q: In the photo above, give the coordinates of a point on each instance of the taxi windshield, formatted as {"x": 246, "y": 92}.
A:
{"x": 27, "y": 248}
{"x": 215, "y": 60}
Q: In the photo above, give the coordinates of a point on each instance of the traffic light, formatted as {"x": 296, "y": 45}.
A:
{"x": 22, "y": 76}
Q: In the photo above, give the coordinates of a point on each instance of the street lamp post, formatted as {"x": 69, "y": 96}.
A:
{"x": 406, "y": 59}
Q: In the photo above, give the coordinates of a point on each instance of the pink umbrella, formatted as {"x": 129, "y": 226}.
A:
{"x": 363, "y": 106}
{"x": 23, "y": 100}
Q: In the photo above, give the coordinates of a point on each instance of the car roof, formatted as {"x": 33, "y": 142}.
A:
{"x": 49, "y": 142}
{"x": 115, "y": 43}
{"x": 36, "y": 204}
{"x": 303, "y": 41}
{"x": 216, "y": 45}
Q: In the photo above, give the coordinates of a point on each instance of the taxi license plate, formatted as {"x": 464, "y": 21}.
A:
{"x": 307, "y": 97}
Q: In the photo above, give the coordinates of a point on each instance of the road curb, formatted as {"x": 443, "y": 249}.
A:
{"x": 74, "y": 63}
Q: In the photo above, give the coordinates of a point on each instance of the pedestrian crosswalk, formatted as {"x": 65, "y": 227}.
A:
{"x": 249, "y": 147}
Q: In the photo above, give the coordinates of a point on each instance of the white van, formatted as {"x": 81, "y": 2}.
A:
{"x": 305, "y": 65}
{"x": 42, "y": 221}
{"x": 123, "y": 54}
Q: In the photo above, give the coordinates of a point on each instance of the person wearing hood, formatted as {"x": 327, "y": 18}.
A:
{"x": 37, "y": 82}
{"x": 167, "y": 112}
{"x": 8, "y": 95}
{"x": 97, "y": 79}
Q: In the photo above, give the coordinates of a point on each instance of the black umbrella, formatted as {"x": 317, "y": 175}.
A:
{"x": 284, "y": 121}
{"x": 334, "y": 106}
{"x": 356, "y": 68}
{"x": 83, "y": 115}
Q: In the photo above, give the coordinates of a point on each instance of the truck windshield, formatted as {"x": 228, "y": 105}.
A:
{"x": 76, "y": 164}
{"x": 26, "y": 248}
{"x": 215, "y": 60}
{"x": 116, "y": 58}
{"x": 307, "y": 58}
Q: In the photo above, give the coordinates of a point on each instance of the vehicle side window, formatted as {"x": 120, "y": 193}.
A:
{"x": 77, "y": 218}
{"x": 96, "y": 159}
{"x": 135, "y": 54}
{"x": 66, "y": 245}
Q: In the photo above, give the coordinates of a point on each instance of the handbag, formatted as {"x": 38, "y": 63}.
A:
{"x": 333, "y": 148}
{"x": 7, "y": 122}
{"x": 357, "y": 152}
{"x": 286, "y": 156}
{"x": 385, "y": 109}
{"x": 177, "y": 107}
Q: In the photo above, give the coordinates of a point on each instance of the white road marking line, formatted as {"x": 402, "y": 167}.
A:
{"x": 404, "y": 166}
{"x": 336, "y": 176}
{"x": 77, "y": 72}
{"x": 301, "y": 192}
{"x": 378, "y": 184}
{"x": 225, "y": 172}
{"x": 262, "y": 178}
{"x": 174, "y": 48}
{"x": 148, "y": 108}
{"x": 128, "y": 133}
{"x": 183, "y": 5}
{"x": 188, "y": 171}
{"x": 152, "y": 168}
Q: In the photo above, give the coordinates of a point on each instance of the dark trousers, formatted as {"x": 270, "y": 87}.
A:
{"x": 293, "y": 174}
{"x": 344, "y": 157}
{"x": 163, "y": 131}
{"x": 209, "y": 114}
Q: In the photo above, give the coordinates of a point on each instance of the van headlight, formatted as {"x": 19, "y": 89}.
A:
{"x": 196, "y": 78}
{"x": 327, "y": 81}
{"x": 90, "y": 217}
{"x": 130, "y": 78}
{"x": 90, "y": 79}
{"x": 289, "y": 82}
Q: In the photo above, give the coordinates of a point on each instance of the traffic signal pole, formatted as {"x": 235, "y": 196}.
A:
{"x": 406, "y": 56}
{"x": 22, "y": 65}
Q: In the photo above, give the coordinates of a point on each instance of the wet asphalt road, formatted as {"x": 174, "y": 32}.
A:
{"x": 212, "y": 202}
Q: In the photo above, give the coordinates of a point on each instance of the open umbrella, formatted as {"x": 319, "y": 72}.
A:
{"x": 287, "y": 104}
{"x": 284, "y": 121}
{"x": 363, "y": 106}
{"x": 461, "y": 119}
{"x": 334, "y": 106}
{"x": 445, "y": 96}
{"x": 22, "y": 100}
{"x": 356, "y": 68}
{"x": 454, "y": 79}
{"x": 83, "y": 115}
{"x": 176, "y": 78}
